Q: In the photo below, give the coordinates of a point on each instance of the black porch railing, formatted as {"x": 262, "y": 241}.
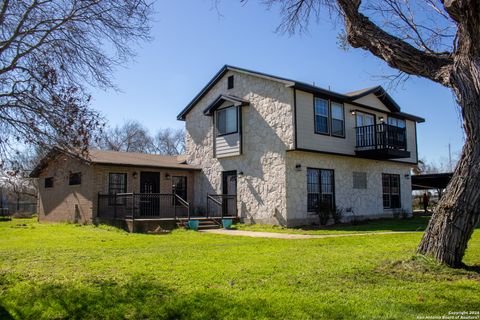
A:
{"x": 142, "y": 206}
{"x": 381, "y": 136}
{"x": 221, "y": 206}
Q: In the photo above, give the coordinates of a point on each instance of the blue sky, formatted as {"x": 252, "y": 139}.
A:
{"x": 192, "y": 42}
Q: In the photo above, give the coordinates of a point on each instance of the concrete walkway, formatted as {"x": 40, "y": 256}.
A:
{"x": 257, "y": 234}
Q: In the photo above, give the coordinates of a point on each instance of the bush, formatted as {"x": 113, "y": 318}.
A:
{"x": 337, "y": 215}
{"x": 323, "y": 211}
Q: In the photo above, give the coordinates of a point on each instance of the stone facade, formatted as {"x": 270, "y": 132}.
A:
{"x": 267, "y": 131}
{"x": 269, "y": 187}
{"x": 359, "y": 203}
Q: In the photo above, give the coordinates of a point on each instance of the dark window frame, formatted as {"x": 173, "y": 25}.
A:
{"x": 363, "y": 112}
{"x": 230, "y": 82}
{"x": 122, "y": 186}
{"x": 331, "y": 119}
{"x": 217, "y": 122}
{"x": 315, "y": 116}
{"x": 320, "y": 194}
{"x": 184, "y": 191}
{"x": 75, "y": 179}
{"x": 391, "y": 200}
{"x": 48, "y": 182}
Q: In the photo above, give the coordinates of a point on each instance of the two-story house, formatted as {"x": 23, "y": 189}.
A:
{"x": 284, "y": 147}
{"x": 258, "y": 147}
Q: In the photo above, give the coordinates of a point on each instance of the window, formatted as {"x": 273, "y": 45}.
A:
{"x": 75, "y": 178}
{"x": 399, "y": 123}
{"x": 227, "y": 120}
{"x": 117, "y": 183}
{"x": 391, "y": 190}
{"x": 364, "y": 119}
{"x": 321, "y": 116}
{"x": 338, "y": 121}
{"x": 48, "y": 182}
{"x": 359, "y": 180}
{"x": 320, "y": 188}
{"x": 179, "y": 187}
{"x": 230, "y": 82}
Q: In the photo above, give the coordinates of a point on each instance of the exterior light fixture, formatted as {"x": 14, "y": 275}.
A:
{"x": 240, "y": 173}
{"x": 167, "y": 176}
{"x": 134, "y": 175}
{"x": 353, "y": 111}
{"x": 381, "y": 119}
{"x": 298, "y": 167}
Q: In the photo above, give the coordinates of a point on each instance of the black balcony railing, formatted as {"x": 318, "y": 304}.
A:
{"x": 142, "y": 206}
{"x": 381, "y": 136}
{"x": 221, "y": 206}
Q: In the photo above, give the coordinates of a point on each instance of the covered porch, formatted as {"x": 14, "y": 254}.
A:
{"x": 170, "y": 208}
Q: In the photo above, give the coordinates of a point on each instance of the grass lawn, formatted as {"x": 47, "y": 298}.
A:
{"x": 382, "y": 225}
{"x": 86, "y": 272}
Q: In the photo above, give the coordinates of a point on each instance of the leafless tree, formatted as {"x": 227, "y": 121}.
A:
{"x": 129, "y": 137}
{"x": 51, "y": 53}
{"x": 436, "y": 40}
{"x": 169, "y": 142}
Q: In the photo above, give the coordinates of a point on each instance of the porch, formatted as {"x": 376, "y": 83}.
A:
{"x": 163, "y": 207}
{"x": 381, "y": 141}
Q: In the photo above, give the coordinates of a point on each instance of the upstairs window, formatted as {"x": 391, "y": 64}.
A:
{"x": 399, "y": 123}
{"x": 321, "y": 116}
{"x": 227, "y": 121}
{"x": 48, "y": 182}
{"x": 75, "y": 178}
{"x": 230, "y": 82}
{"x": 338, "y": 120}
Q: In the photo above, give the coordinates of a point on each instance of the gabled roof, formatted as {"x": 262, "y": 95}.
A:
{"x": 380, "y": 93}
{"x": 348, "y": 97}
{"x": 221, "y": 99}
{"x": 118, "y": 158}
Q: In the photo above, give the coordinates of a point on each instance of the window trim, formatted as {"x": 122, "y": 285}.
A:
{"x": 218, "y": 134}
{"x": 79, "y": 173}
{"x": 109, "y": 181}
{"x": 390, "y": 175}
{"x": 315, "y": 116}
{"x": 310, "y": 210}
{"x": 331, "y": 119}
{"x": 363, "y": 112}
{"x": 186, "y": 187}
{"x": 45, "y": 183}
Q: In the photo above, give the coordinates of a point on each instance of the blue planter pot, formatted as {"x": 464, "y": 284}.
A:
{"x": 227, "y": 223}
{"x": 192, "y": 225}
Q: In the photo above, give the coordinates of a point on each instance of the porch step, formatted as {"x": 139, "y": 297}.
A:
{"x": 206, "y": 224}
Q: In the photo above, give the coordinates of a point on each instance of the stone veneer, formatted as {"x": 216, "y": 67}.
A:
{"x": 364, "y": 203}
{"x": 267, "y": 134}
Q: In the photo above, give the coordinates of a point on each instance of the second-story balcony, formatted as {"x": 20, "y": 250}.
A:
{"x": 381, "y": 141}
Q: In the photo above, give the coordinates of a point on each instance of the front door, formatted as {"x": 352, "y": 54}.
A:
{"x": 229, "y": 190}
{"x": 150, "y": 189}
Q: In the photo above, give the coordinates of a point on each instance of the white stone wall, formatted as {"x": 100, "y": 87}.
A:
{"x": 267, "y": 129}
{"x": 365, "y": 203}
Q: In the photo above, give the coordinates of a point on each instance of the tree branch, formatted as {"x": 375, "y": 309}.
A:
{"x": 398, "y": 54}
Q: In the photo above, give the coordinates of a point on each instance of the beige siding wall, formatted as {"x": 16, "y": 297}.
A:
{"x": 63, "y": 202}
{"x": 267, "y": 134}
{"x": 363, "y": 203}
{"x": 308, "y": 139}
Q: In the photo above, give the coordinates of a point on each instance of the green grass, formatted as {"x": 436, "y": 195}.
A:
{"x": 382, "y": 225}
{"x": 86, "y": 272}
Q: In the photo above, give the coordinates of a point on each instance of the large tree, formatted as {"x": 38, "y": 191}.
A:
{"x": 52, "y": 52}
{"x": 439, "y": 41}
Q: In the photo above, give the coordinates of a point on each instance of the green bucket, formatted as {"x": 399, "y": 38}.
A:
{"x": 227, "y": 223}
{"x": 192, "y": 225}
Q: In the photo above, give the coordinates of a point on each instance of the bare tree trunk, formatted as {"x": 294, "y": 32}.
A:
{"x": 458, "y": 211}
